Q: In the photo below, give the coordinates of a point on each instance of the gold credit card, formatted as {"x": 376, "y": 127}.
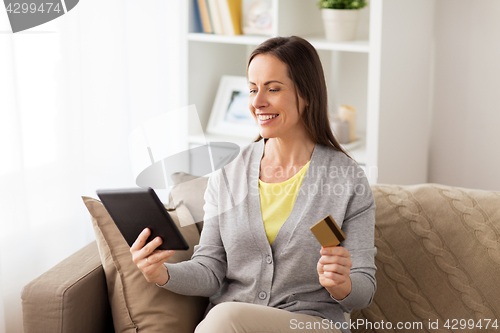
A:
{"x": 327, "y": 232}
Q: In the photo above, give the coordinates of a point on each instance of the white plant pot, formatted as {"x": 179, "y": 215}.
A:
{"x": 340, "y": 24}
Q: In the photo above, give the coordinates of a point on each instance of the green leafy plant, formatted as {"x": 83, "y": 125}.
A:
{"x": 342, "y": 4}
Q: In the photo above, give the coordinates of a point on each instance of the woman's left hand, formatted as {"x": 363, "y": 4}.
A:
{"x": 334, "y": 268}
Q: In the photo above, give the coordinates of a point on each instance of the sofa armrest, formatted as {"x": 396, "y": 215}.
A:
{"x": 70, "y": 297}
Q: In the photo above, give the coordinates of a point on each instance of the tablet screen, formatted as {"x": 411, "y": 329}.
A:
{"x": 134, "y": 209}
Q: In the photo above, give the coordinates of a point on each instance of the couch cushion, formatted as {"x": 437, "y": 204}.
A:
{"x": 190, "y": 191}
{"x": 70, "y": 297}
{"x": 139, "y": 306}
{"x": 438, "y": 256}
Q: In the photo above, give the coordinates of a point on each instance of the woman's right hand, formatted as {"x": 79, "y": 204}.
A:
{"x": 149, "y": 260}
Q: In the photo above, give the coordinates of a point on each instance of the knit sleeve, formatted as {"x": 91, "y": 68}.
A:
{"x": 359, "y": 228}
{"x": 204, "y": 273}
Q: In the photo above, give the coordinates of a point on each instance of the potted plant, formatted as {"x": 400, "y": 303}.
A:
{"x": 341, "y": 18}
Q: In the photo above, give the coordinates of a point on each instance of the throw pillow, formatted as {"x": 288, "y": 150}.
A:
{"x": 190, "y": 191}
{"x": 136, "y": 305}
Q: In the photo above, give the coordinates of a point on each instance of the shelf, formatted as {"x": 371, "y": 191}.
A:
{"x": 319, "y": 42}
{"x": 239, "y": 39}
{"x": 361, "y": 46}
{"x": 359, "y": 155}
{"x": 385, "y": 74}
{"x": 358, "y": 152}
{"x": 357, "y": 149}
{"x": 203, "y": 139}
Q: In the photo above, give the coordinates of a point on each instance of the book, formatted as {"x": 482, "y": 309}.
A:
{"x": 197, "y": 19}
{"x": 204, "y": 16}
{"x": 230, "y": 13}
{"x": 213, "y": 9}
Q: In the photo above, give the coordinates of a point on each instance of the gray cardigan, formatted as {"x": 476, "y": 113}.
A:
{"x": 234, "y": 261}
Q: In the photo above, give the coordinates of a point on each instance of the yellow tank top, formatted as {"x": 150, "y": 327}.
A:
{"x": 277, "y": 200}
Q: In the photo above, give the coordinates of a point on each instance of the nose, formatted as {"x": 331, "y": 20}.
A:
{"x": 259, "y": 100}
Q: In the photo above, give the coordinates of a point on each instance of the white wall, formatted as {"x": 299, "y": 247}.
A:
{"x": 465, "y": 136}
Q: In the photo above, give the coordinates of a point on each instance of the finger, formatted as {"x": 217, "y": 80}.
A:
{"x": 335, "y": 251}
{"x": 335, "y": 278}
{"x": 325, "y": 260}
{"x": 150, "y": 247}
{"x": 141, "y": 240}
{"x": 160, "y": 256}
{"x": 153, "y": 271}
{"x": 145, "y": 263}
{"x": 338, "y": 269}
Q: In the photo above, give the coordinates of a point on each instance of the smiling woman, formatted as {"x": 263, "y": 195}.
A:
{"x": 258, "y": 282}
{"x": 290, "y": 68}
{"x": 272, "y": 99}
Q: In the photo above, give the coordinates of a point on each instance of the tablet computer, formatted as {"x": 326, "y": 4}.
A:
{"x": 134, "y": 209}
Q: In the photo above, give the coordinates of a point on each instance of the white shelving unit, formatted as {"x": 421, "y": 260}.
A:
{"x": 385, "y": 74}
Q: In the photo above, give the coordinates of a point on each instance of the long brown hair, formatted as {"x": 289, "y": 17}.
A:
{"x": 306, "y": 72}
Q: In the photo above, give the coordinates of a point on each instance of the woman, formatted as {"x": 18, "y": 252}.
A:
{"x": 257, "y": 259}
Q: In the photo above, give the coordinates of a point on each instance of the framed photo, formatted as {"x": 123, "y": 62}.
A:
{"x": 230, "y": 113}
{"x": 258, "y": 17}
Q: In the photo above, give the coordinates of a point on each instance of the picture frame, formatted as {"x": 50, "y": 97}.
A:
{"x": 258, "y": 17}
{"x": 230, "y": 113}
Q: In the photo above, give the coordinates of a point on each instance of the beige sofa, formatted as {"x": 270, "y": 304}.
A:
{"x": 438, "y": 269}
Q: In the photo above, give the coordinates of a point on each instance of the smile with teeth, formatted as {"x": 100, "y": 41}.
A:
{"x": 266, "y": 117}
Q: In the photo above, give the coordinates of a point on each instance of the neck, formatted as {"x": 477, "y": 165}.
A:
{"x": 291, "y": 151}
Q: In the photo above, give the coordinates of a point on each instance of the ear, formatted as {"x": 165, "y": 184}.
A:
{"x": 306, "y": 102}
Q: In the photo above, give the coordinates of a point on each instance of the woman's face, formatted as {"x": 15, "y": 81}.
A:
{"x": 272, "y": 98}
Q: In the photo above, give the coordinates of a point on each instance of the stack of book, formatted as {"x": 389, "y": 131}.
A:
{"x": 221, "y": 17}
